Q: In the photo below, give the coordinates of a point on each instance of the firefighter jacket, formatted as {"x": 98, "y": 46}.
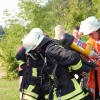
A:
{"x": 94, "y": 76}
{"x": 66, "y": 86}
{"x": 31, "y": 72}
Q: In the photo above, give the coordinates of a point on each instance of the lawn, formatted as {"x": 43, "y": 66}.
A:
{"x": 9, "y": 89}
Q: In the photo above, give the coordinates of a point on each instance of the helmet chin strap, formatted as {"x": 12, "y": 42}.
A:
{"x": 34, "y": 58}
{"x": 31, "y": 56}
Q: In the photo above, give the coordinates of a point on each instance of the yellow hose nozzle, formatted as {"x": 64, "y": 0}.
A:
{"x": 83, "y": 48}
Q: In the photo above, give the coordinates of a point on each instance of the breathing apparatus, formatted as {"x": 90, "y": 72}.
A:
{"x": 78, "y": 45}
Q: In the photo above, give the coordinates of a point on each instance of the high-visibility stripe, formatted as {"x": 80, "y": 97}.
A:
{"x": 28, "y": 97}
{"x": 70, "y": 70}
{"x": 77, "y": 92}
{"x": 34, "y": 72}
{"x": 55, "y": 96}
{"x": 87, "y": 94}
{"x": 30, "y": 94}
{"x": 46, "y": 96}
{"x": 79, "y": 97}
{"x": 77, "y": 66}
{"x": 30, "y": 88}
{"x": 29, "y": 91}
{"x": 20, "y": 62}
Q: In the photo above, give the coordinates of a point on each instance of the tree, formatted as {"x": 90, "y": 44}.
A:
{"x": 8, "y": 45}
{"x": 68, "y": 13}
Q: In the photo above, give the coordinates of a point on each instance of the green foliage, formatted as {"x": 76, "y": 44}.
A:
{"x": 9, "y": 89}
{"x": 68, "y": 13}
{"x": 96, "y": 6}
{"x": 8, "y": 47}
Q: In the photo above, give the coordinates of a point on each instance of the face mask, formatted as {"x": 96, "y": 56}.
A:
{"x": 35, "y": 55}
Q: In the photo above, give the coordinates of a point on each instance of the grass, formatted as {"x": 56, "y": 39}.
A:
{"x": 9, "y": 89}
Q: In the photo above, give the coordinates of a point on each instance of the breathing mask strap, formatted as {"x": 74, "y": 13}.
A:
{"x": 31, "y": 56}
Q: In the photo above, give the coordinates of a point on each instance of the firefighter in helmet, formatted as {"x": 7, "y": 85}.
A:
{"x": 30, "y": 86}
{"x": 60, "y": 63}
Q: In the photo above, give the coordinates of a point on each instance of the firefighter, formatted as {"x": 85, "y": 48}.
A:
{"x": 59, "y": 35}
{"x": 29, "y": 74}
{"x": 91, "y": 26}
{"x": 59, "y": 63}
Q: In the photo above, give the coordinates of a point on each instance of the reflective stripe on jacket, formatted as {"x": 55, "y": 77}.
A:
{"x": 68, "y": 87}
{"x": 31, "y": 71}
{"x": 76, "y": 94}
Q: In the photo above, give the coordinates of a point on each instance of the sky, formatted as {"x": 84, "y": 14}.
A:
{"x": 11, "y": 5}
